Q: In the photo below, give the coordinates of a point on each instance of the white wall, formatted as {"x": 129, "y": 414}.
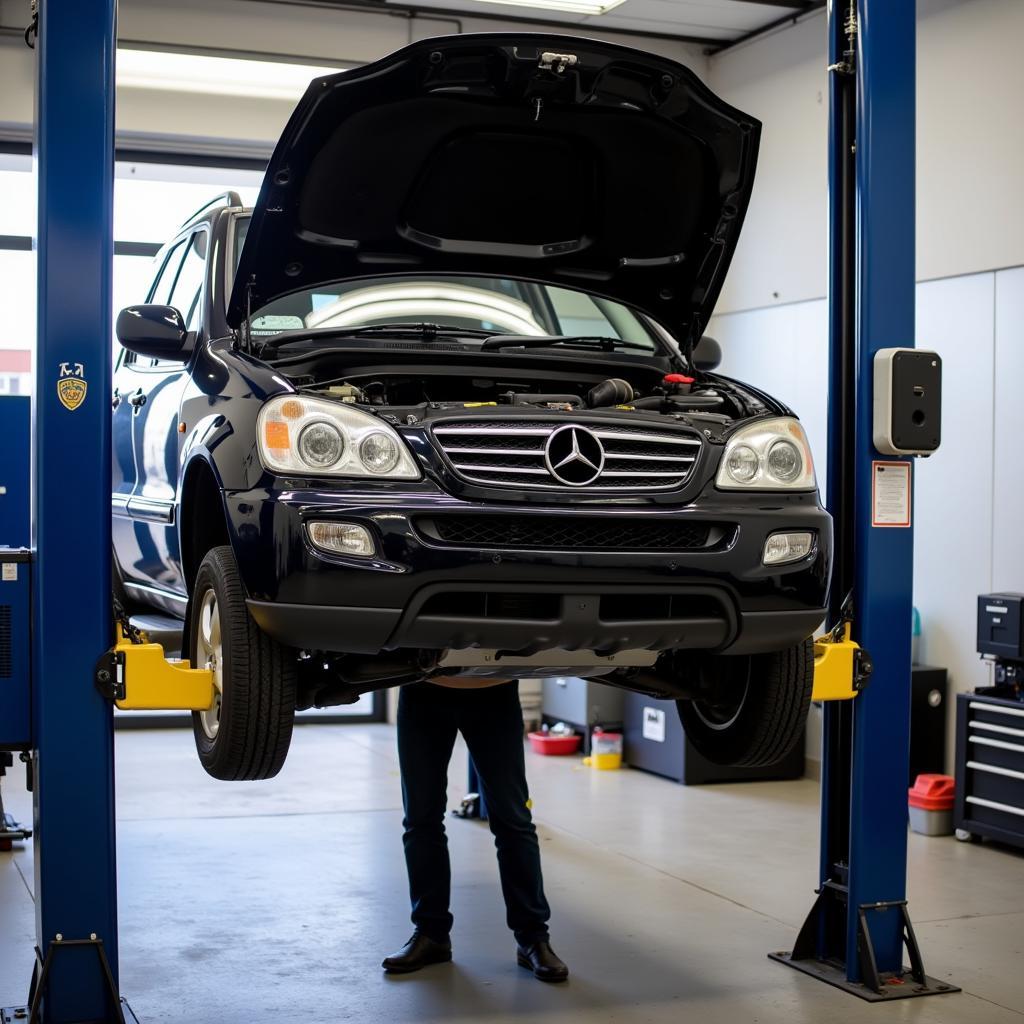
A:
{"x": 970, "y": 144}
{"x": 1007, "y": 461}
{"x": 782, "y": 253}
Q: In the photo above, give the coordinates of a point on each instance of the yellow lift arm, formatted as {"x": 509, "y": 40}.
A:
{"x": 841, "y": 667}
{"x": 139, "y": 677}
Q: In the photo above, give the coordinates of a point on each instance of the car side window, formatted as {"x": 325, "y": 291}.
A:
{"x": 159, "y": 292}
{"x": 187, "y": 293}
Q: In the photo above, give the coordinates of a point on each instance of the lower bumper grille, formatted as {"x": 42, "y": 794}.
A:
{"x": 574, "y": 532}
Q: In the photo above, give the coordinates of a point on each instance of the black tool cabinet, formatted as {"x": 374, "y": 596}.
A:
{"x": 989, "y": 768}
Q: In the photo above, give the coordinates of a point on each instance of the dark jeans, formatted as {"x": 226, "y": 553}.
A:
{"x": 491, "y": 721}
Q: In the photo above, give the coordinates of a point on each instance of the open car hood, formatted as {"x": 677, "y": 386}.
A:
{"x": 567, "y": 161}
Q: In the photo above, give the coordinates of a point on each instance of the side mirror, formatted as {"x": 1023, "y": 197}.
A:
{"x": 707, "y": 354}
{"x": 154, "y": 331}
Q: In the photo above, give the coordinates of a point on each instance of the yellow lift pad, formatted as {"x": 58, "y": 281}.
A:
{"x": 146, "y": 680}
{"x": 838, "y": 667}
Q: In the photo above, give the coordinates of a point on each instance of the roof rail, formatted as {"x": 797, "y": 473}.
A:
{"x": 227, "y": 198}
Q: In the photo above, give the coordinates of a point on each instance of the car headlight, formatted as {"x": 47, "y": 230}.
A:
{"x": 769, "y": 455}
{"x": 317, "y": 437}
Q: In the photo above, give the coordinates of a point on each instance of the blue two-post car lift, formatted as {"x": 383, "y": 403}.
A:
{"x": 857, "y": 931}
{"x": 70, "y": 744}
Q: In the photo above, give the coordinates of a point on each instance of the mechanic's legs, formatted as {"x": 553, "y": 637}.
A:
{"x": 492, "y": 724}
{"x": 426, "y": 735}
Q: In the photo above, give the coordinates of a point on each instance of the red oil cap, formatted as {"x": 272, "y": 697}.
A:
{"x": 932, "y": 792}
{"x": 677, "y": 378}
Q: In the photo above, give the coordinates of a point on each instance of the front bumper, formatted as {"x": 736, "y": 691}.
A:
{"x": 422, "y": 593}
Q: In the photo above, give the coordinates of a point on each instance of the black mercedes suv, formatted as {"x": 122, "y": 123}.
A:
{"x": 441, "y": 404}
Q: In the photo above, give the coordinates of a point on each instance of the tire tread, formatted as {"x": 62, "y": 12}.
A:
{"x": 258, "y": 709}
{"x": 772, "y": 722}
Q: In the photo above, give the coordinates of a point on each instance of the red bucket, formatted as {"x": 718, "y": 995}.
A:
{"x": 546, "y": 743}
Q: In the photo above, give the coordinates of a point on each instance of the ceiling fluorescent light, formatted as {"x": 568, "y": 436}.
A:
{"x": 218, "y": 76}
{"x": 565, "y": 6}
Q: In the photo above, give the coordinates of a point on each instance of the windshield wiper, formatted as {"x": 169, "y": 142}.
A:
{"x": 582, "y": 341}
{"x": 423, "y": 331}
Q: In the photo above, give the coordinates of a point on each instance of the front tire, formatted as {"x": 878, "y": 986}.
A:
{"x": 753, "y": 708}
{"x": 247, "y": 732}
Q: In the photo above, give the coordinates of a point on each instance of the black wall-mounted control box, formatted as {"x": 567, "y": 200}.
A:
{"x": 907, "y": 401}
{"x": 1001, "y": 626}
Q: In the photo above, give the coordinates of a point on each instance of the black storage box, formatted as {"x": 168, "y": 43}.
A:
{"x": 1000, "y": 618}
{"x": 928, "y": 702}
{"x": 654, "y": 741}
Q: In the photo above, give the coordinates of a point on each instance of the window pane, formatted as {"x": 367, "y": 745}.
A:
{"x": 17, "y": 195}
{"x": 169, "y": 274}
{"x": 18, "y": 297}
{"x": 151, "y": 201}
{"x": 132, "y": 277}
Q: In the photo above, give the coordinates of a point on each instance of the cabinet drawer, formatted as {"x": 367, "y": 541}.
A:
{"x": 995, "y": 783}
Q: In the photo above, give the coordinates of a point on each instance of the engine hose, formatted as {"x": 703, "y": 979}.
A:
{"x": 614, "y": 391}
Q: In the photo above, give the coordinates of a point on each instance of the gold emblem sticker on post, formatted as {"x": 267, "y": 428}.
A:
{"x": 72, "y": 385}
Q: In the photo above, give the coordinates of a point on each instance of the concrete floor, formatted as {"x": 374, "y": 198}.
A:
{"x": 275, "y": 901}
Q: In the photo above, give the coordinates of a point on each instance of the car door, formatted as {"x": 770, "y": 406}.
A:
{"x": 131, "y": 381}
{"x": 156, "y": 405}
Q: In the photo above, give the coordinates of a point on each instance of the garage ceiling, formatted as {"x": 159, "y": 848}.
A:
{"x": 711, "y": 21}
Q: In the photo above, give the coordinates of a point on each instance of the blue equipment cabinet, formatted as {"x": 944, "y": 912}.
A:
{"x": 15, "y": 684}
{"x": 15, "y": 576}
{"x": 15, "y": 478}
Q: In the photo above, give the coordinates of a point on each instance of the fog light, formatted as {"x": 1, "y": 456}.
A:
{"x": 787, "y": 547}
{"x": 342, "y": 539}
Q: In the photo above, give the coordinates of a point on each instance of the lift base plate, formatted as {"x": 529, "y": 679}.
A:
{"x": 19, "y": 1014}
{"x": 904, "y": 987}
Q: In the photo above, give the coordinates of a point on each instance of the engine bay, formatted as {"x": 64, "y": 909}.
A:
{"x": 408, "y": 395}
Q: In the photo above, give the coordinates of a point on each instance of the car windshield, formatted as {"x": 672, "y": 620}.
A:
{"x": 487, "y": 305}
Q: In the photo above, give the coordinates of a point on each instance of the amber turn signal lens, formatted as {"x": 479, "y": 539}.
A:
{"x": 276, "y": 435}
{"x": 291, "y": 409}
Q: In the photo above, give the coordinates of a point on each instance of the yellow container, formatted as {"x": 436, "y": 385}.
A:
{"x": 606, "y": 750}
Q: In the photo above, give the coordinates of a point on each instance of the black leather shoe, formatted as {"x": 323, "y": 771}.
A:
{"x": 540, "y": 958}
{"x": 419, "y": 952}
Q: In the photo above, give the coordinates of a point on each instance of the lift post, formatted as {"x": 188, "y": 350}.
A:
{"x": 856, "y": 932}
{"x": 72, "y": 764}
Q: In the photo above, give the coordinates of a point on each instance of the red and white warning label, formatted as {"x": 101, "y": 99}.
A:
{"x": 890, "y": 494}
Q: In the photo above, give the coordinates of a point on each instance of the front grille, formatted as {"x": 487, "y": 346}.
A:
{"x": 553, "y": 533}
{"x": 512, "y": 453}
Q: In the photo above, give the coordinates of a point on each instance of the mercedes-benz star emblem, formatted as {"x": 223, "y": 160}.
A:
{"x": 574, "y": 456}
